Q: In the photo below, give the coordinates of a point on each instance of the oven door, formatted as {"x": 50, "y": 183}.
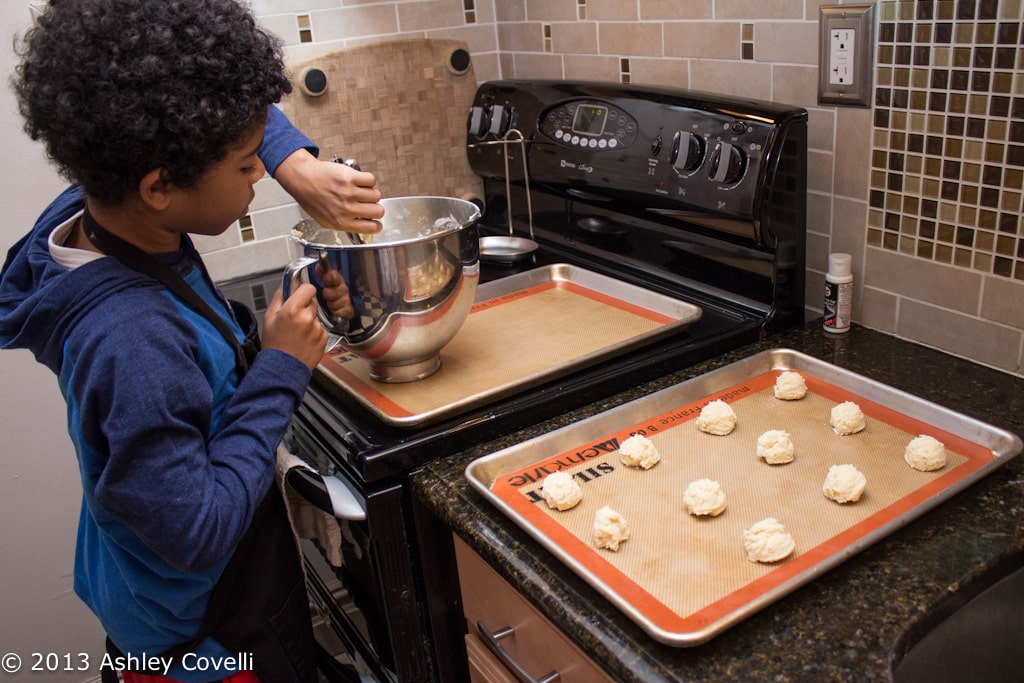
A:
{"x": 377, "y": 601}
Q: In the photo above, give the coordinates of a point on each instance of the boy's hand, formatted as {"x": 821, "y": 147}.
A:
{"x": 335, "y": 195}
{"x": 292, "y": 326}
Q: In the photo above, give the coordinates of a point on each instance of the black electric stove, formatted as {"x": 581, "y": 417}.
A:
{"x": 695, "y": 196}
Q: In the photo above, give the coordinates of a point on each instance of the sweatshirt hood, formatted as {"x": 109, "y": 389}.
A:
{"x": 40, "y": 300}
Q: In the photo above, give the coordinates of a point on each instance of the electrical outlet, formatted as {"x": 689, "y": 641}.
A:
{"x": 841, "y": 51}
{"x": 846, "y": 55}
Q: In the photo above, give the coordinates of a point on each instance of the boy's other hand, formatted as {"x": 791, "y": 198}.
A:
{"x": 292, "y": 326}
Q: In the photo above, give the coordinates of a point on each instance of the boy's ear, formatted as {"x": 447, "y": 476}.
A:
{"x": 155, "y": 191}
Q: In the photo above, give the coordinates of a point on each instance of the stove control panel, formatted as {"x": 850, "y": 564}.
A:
{"x": 589, "y": 125}
{"x": 667, "y": 150}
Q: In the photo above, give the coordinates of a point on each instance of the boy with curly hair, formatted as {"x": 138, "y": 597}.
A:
{"x": 161, "y": 114}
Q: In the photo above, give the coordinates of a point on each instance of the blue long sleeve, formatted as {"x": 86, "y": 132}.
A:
{"x": 280, "y": 139}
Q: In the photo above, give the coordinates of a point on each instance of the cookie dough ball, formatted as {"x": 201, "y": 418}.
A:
{"x": 704, "y": 497}
{"x": 561, "y": 491}
{"x": 844, "y": 484}
{"x": 610, "y": 529}
{"x": 847, "y": 418}
{"x": 775, "y": 447}
{"x": 790, "y": 386}
{"x": 925, "y": 453}
{"x": 768, "y": 541}
{"x": 717, "y": 418}
{"x": 639, "y": 451}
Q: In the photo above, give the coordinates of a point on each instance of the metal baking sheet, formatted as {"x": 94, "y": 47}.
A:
{"x": 686, "y": 579}
{"x": 523, "y": 330}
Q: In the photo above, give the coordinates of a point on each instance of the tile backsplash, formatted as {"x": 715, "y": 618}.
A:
{"x": 923, "y": 188}
{"x": 947, "y": 167}
{"x": 310, "y": 28}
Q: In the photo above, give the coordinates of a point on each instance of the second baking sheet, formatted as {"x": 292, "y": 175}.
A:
{"x": 686, "y": 578}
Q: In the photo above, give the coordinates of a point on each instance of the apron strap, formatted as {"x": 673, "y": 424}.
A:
{"x": 147, "y": 264}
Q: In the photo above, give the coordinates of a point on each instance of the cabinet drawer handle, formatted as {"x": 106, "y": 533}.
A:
{"x": 491, "y": 641}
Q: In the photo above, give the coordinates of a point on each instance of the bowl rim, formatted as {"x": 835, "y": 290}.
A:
{"x": 473, "y": 218}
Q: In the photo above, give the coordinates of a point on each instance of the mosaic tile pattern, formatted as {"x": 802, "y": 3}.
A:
{"x": 947, "y": 167}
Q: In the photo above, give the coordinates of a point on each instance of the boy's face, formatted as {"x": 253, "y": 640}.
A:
{"x": 223, "y": 193}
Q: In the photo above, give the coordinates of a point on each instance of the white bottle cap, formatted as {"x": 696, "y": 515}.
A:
{"x": 839, "y": 264}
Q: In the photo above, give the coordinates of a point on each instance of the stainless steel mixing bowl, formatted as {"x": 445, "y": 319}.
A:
{"x": 411, "y": 286}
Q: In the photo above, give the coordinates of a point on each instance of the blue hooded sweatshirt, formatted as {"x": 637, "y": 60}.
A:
{"x": 175, "y": 450}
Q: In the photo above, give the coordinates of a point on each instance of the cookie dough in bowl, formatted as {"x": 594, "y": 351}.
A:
{"x": 717, "y": 418}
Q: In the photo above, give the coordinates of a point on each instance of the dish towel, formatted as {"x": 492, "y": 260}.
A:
{"x": 308, "y": 521}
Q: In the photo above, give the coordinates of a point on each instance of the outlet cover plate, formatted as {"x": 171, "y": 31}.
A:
{"x": 854, "y": 89}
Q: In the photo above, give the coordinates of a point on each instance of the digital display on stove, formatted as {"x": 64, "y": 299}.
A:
{"x": 590, "y": 119}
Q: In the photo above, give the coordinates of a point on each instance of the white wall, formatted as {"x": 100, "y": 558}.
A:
{"x": 39, "y": 485}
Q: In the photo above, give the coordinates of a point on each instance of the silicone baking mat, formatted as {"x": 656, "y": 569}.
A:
{"x": 686, "y": 578}
{"x": 524, "y": 329}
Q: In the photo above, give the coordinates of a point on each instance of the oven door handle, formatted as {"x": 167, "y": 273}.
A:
{"x": 326, "y": 493}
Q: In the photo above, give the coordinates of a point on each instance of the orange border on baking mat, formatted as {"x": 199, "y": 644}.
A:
{"x": 977, "y": 456}
{"x": 363, "y": 388}
{"x": 581, "y": 290}
{"x": 370, "y": 393}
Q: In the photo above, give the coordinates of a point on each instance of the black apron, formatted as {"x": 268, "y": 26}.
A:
{"x": 259, "y": 606}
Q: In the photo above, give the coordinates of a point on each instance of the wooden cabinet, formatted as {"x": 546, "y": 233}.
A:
{"x": 496, "y": 612}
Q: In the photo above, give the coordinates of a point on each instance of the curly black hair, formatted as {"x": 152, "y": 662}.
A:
{"x": 118, "y": 88}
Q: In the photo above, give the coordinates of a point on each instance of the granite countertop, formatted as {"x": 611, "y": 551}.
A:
{"x": 854, "y": 622}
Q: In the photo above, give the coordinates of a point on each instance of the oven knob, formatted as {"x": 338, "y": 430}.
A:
{"x": 479, "y": 120}
{"x": 687, "y": 151}
{"x": 656, "y": 146}
{"x": 727, "y": 164}
{"x": 499, "y": 120}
